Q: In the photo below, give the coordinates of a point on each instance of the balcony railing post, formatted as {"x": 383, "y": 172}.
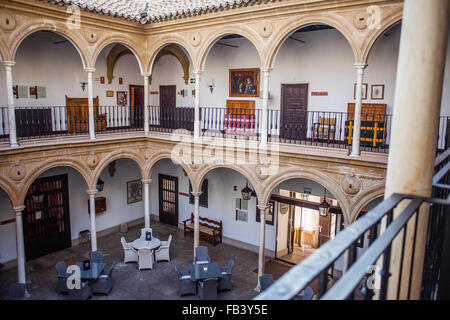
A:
{"x": 11, "y": 112}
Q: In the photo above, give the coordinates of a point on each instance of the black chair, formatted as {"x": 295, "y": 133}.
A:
{"x": 201, "y": 255}
{"x": 187, "y": 285}
{"x": 96, "y": 256}
{"x": 225, "y": 282}
{"x": 265, "y": 281}
{"x": 208, "y": 289}
{"x": 104, "y": 283}
{"x": 61, "y": 270}
{"x": 17, "y": 291}
{"x": 83, "y": 293}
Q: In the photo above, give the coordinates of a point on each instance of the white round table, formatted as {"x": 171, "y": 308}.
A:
{"x": 141, "y": 243}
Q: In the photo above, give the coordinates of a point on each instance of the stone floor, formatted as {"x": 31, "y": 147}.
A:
{"x": 129, "y": 282}
{"x": 298, "y": 255}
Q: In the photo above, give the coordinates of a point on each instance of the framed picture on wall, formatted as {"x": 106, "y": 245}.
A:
{"x": 244, "y": 82}
{"x": 134, "y": 191}
{"x": 364, "y": 91}
{"x": 377, "y": 92}
{"x": 269, "y": 216}
{"x": 122, "y": 98}
{"x": 110, "y": 93}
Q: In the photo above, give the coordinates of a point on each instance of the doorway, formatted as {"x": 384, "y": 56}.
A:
{"x": 137, "y": 106}
{"x": 294, "y": 107}
{"x": 168, "y": 199}
{"x": 46, "y": 218}
{"x": 167, "y": 103}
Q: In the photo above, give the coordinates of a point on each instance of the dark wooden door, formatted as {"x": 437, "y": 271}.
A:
{"x": 168, "y": 199}
{"x": 294, "y": 106}
{"x": 168, "y": 103}
{"x": 46, "y": 225}
{"x": 137, "y": 106}
{"x": 324, "y": 229}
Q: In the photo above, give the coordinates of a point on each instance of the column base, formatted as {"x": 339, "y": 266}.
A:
{"x": 257, "y": 289}
{"x": 355, "y": 155}
{"x": 14, "y": 145}
{"x": 92, "y": 138}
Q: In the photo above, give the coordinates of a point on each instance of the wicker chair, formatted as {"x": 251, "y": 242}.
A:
{"x": 144, "y": 231}
{"x": 130, "y": 254}
{"x": 265, "y": 281}
{"x": 97, "y": 256}
{"x": 201, "y": 255}
{"x": 84, "y": 293}
{"x": 225, "y": 281}
{"x": 104, "y": 283}
{"x": 187, "y": 285}
{"x": 61, "y": 270}
{"x": 145, "y": 258}
{"x": 163, "y": 252}
{"x": 208, "y": 289}
{"x": 308, "y": 294}
{"x": 17, "y": 291}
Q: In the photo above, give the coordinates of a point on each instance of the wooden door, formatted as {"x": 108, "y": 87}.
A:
{"x": 291, "y": 230}
{"x": 137, "y": 106}
{"x": 168, "y": 199}
{"x": 324, "y": 229}
{"x": 46, "y": 225}
{"x": 167, "y": 103}
{"x": 294, "y": 116}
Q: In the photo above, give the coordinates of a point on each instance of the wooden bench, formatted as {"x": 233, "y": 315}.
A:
{"x": 209, "y": 230}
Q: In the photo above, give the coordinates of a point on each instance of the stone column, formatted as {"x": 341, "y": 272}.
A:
{"x": 197, "y": 74}
{"x": 357, "y": 118}
{"x": 147, "y": 201}
{"x": 196, "y": 219}
{"x": 146, "y": 103}
{"x": 90, "y": 72}
{"x": 412, "y": 150}
{"x": 20, "y": 244}
{"x": 265, "y": 104}
{"x": 262, "y": 241}
{"x": 11, "y": 113}
{"x": 92, "y": 194}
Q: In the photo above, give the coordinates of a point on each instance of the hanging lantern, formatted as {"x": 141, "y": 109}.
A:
{"x": 100, "y": 184}
{"x": 246, "y": 192}
{"x": 324, "y": 207}
{"x": 37, "y": 196}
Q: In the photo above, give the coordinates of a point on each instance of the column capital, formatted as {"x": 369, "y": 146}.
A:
{"x": 146, "y": 74}
{"x": 92, "y": 192}
{"x": 266, "y": 69}
{"x": 18, "y": 210}
{"x": 89, "y": 70}
{"x": 263, "y": 207}
{"x": 146, "y": 181}
{"x": 360, "y": 66}
{"x": 196, "y": 194}
{"x": 8, "y": 63}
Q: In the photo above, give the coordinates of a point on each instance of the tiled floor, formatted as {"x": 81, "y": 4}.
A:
{"x": 129, "y": 282}
{"x": 298, "y": 255}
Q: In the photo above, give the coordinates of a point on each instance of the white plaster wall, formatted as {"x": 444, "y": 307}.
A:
{"x": 117, "y": 209}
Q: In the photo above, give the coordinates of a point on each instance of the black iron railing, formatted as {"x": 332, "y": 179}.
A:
{"x": 180, "y": 119}
{"x": 356, "y": 281}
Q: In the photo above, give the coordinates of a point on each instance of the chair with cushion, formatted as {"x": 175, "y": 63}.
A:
{"x": 163, "y": 252}
{"x": 96, "y": 256}
{"x": 61, "y": 270}
{"x": 225, "y": 281}
{"x": 130, "y": 254}
{"x": 17, "y": 291}
{"x": 145, "y": 258}
{"x": 104, "y": 283}
{"x": 208, "y": 289}
{"x": 82, "y": 293}
{"x": 265, "y": 281}
{"x": 144, "y": 231}
{"x": 201, "y": 255}
{"x": 187, "y": 285}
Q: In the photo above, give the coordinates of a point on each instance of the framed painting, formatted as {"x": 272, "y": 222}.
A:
{"x": 364, "y": 91}
{"x": 122, "y": 98}
{"x": 269, "y": 216}
{"x": 244, "y": 82}
{"x": 134, "y": 191}
{"x": 377, "y": 92}
{"x": 110, "y": 93}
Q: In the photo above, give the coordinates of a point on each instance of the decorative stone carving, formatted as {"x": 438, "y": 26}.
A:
{"x": 265, "y": 29}
{"x": 92, "y": 160}
{"x": 195, "y": 39}
{"x": 360, "y": 20}
{"x": 147, "y": 154}
{"x": 7, "y": 21}
{"x": 17, "y": 172}
{"x": 91, "y": 36}
{"x": 351, "y": 184}
{"x": 262, "y": 170}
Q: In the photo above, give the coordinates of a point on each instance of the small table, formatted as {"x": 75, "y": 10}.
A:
{"x": 141, "y": 243}
{"x": 93, "y": 272}
{"x": 205, "y": 270}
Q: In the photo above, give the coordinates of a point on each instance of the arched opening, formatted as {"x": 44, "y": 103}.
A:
{"x": 171, "y": 89}
{"x": 8, "y": 251}
{"x": 122, "y": 107}
{"x": 311, "y": 85}
{"x": 230, "y": 88}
